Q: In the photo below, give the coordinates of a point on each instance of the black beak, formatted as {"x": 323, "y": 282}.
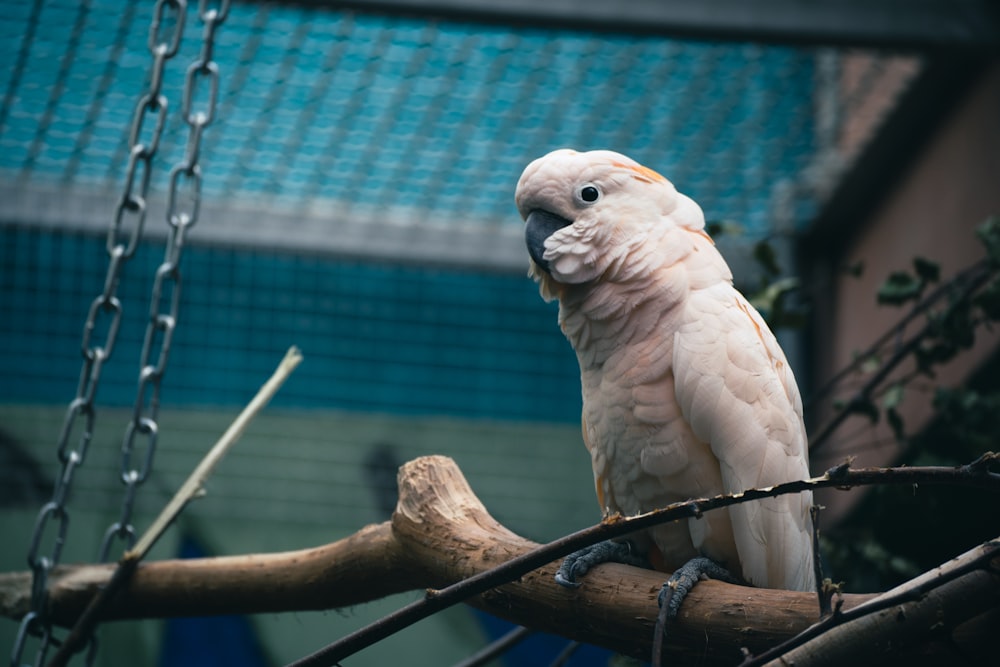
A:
{"x": 540, "y": 226}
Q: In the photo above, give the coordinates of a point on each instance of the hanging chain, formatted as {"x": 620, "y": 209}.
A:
{"x": 104, "y": 315}
{"x": 141, "y": 433}
{"x": 105, "y": 312}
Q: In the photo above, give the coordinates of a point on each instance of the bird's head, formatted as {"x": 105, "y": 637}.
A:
{"x": 587, "y": 212}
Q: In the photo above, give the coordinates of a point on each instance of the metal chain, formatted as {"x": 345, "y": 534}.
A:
{"x": 136, "y": 458}
{"x": 104, "y": 316}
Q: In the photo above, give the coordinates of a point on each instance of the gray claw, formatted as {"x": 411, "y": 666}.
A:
{"x": 579, "y": 562}
{"x": 565, "y": 581}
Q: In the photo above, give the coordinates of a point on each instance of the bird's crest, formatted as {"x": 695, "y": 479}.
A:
{"x": 641, "y": 173}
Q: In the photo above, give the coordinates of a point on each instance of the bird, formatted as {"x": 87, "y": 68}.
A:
{"x": 686, "y": 392}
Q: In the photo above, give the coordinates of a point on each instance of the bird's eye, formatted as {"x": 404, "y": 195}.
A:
{"x": 589, "y": 193}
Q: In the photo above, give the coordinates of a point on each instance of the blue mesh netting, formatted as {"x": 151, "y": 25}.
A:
{"x": 388, "y": 112}
{"x": 377, "y": 337}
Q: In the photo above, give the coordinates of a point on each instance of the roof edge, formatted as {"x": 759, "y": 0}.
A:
{"x": 904, "y": 133}
{"x": 377, "y": 235}
{"x": 962, "y": 24}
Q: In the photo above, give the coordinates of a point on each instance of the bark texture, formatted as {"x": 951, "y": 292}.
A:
{"x": 440, "y": 533}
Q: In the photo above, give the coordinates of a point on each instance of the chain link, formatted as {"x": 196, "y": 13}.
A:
{"x": 104, "y": 315}
{"x": 142, "y": 432}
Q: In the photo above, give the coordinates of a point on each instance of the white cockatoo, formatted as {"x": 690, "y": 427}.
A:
{"x": 686, "y": 393}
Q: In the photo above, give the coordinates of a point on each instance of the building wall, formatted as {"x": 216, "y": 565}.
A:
{"x": 931, "y": 212}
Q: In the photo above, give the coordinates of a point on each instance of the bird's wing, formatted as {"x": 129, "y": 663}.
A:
{"x": 738, "y": 394}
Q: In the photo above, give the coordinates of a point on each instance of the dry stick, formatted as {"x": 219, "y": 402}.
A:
{"x": 975, "y": 474}
{"x": 192, "y": 488}
{"x": 823, "y": 593}
{"x": 195, "y": 484}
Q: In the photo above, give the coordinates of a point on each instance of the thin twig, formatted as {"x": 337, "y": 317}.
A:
{"x": 975, "y": 273}
{"x": 661, "y": 623}
{"x": 192, "y": 487}
{"x": 496, "y": 648}
{"x": 974, "y": 277}
{"x": 822, "y": 592}
{"x": 565, "y": 654}
{"x": 975, "y": 474}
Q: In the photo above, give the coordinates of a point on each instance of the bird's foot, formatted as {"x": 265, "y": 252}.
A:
{"x": 685, "y": 577}
{"x": 676, "y": 589}
{"x": 580, "y": 562}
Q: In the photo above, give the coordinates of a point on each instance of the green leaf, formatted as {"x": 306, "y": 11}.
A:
{"x": 717, "y": 228}
{"x": 899, "y": 288}
{"x": 763, "y": 252}
{"x": 930, "y": 354}
{"x": 767, "y": 298}
{"x": 864, "y": 406}
{"x": 956, "y": 325}
{"x": 856, "y": 269}
{"x": 927, "y": 271}
{"x": 988, "y": 299}
{"x": 871, "y": 364}
{"x": 786, "y": 319}
{"x": 893, "y": 396}
{"x": 989, "y": 234}
{"x": 770, "y": 302}
{"x": 896, "y": 423}
{"x": 946, "y": 400}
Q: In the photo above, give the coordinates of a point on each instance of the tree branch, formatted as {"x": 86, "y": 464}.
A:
{"x": 441, "y": 534}
{"x": 935, "y": 603}
{"x": 975, "y": 474}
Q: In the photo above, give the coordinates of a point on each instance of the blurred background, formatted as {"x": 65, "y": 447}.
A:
{"x": 357, "y": 187}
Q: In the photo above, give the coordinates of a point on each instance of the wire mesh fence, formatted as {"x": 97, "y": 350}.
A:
{"x": 357, "y": 202}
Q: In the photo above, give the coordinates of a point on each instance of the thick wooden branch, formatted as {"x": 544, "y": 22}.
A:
{"x": 441, "y": 534}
